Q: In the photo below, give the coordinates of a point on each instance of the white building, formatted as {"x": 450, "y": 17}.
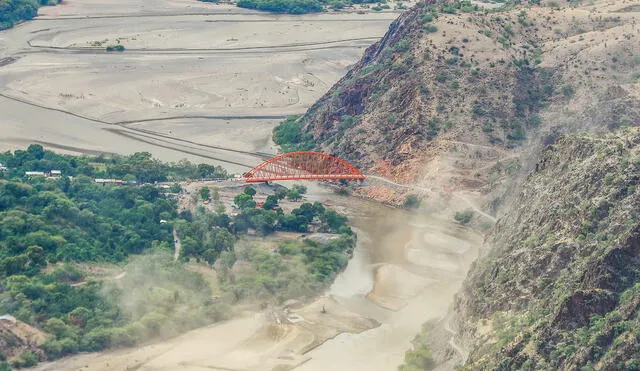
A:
{"x": 34, "y": 173}
{"x": 102, "y": 181}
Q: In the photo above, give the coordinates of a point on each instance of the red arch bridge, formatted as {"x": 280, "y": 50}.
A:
{"x": 303, "y": 166}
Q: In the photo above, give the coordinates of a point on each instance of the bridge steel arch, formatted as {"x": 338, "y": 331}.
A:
{"x": 303, "y": 166}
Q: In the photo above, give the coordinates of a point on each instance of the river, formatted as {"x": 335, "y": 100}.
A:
{"x": 405, "y": 270}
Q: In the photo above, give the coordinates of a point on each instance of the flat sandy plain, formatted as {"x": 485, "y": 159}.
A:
{"x": 215, "y": 75}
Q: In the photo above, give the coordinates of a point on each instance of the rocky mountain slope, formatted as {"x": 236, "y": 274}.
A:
{"x": 560, "y": 288}
{"x": 451, "y": 95}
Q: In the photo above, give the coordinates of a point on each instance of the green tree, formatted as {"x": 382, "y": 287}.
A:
{"x": 36, "y": 256}
{"x": 281, "y": 193}
{"x": 294, "y": 195}
{"x": 96, "y": 340}
{"x": 250, "y": 191}
{"x": 244, "y": 201}
{"x": 306, "y": 211}
{"x": 36, "y": 151}
{"x": 210, "y": 256}
{"x": 333, "y": 220}
{"x": 270, "y": 203}
{"x": 299, "y": 188}
{"x": 79, "y": 316}
{"x": 418, "y": 359}
{"x": 205, "y": 194}
{"x": 58, "y": 328}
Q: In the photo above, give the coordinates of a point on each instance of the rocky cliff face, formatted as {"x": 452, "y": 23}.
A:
{"x": 559, "y": 285}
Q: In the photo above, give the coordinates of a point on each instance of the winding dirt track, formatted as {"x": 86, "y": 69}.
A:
{"x": 151, "y": 137}
{"x": 293, "y": 47}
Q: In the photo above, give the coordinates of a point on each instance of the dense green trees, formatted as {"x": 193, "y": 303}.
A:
{"x": 139, "y": 166}
{"x": 47, "y": 226}
{"x": 283, "y": 6}
{"x": 290, "y": 137}
{"x": 38, "y": 221}
{"x": 14, "y": 11}
{"x": 297, "y": 6}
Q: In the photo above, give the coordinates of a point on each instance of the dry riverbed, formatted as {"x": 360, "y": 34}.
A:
{"x": 193, "y": 75}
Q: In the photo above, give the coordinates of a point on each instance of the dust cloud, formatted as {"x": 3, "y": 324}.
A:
{"x": 161, "y": 298}
{"x": 405, "y": 270}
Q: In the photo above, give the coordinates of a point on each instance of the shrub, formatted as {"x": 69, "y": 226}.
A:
{"x": 426, "y": 18}
{"x": 448, "y": 9}
{"x": 452, "y": 60}
{"x": 115, "y": 48}
{"x": 402, "y": 46}
{"x": 28, "y": 359}
{"x": 418, "y": 359}
{"x": 464, "y": 217}
{"x": 205, "y": 193}
{"x": 430, "y": 28}
{"x": 517, "y": 134}
{"x": 411, "y": 202}
{"x": 568, "y": 91}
